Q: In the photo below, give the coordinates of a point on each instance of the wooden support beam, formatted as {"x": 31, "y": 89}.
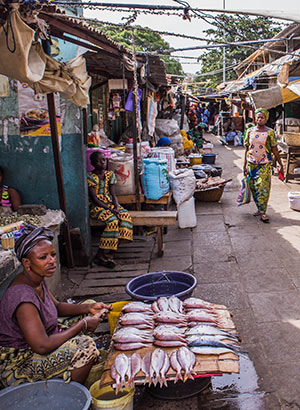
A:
{"x": 59, "y": 178}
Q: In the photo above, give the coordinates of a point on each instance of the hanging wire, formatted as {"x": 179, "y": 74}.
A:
{"x": 9, "y": 29}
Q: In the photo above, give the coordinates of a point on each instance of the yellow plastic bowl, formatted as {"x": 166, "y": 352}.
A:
{"x": 195, "y": 160}
{"x": 114, "y": 314}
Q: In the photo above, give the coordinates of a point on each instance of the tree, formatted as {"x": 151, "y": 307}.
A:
{"x": 145, "y": 40}
{"x": 233, "y": 29}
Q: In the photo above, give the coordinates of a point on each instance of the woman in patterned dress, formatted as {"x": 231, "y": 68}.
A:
{"x": 33, "y": 344}
{"x": 260, "y": 143}
{"x": 104, "y": 206}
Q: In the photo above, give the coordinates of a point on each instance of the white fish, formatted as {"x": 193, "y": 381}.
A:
{"x": 163, "y": 334}
{"x": 210, "y": 350}
{"x": 163, "y": 304}
{"x": 164, "y": 370}
{"x": 171, "y": 328}
{"x": 169, "y": 343}
{"x": 121, "y": 365}
{"x": 136, "y": 364}
{"x": 197, "y": 303}
{"x": 131, "y": 337}
{"x": 200, "y": 316}
{"x": 135, "y": 318}
{"x": 205, "y": 338}
{"x": 184, "y": 359}
{"x": 205, "y": 330}
{"x": 155, "y": 307}
{"x": 137, "y": 307}
{"x": 175, "y": 304}
{"x": 116, "y": 377}
{"x": 157, "y": 362}
{"x": 170, "y": 317}
{"x": 130, "y": 346}
{"x": 176, "y": 366}
{"x": 146, "y": 366}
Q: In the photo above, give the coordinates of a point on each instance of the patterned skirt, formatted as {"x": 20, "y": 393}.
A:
{"x": 114, "y": 229}
{"x": 23, "y": 365}
{"x": 260, "y": 184}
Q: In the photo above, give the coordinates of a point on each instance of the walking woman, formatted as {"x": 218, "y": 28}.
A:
{"x": 104, "y": 206}
{"x": 260, "y": 143}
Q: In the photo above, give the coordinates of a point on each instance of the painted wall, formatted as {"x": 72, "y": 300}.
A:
{"x": 29, "y": 165}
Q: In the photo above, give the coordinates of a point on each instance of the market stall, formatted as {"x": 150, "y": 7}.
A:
{"x": 150, "y": 340}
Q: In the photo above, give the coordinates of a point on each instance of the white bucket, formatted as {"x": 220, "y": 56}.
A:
{"x": 294, "y": 200}
{"x": 186, "y": 214}
{"x": 104, "y": 398}
{"x": 124, "y": 170}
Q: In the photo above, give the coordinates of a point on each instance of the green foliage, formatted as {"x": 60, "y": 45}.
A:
{"x": 146, "y": 41}
{"x": 233, "y": 29}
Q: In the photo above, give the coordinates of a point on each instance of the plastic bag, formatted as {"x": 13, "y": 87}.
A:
{"x": 245, "y": 193}
{"x": 183, "y": 185}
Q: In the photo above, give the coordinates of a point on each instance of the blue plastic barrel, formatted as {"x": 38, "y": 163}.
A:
{"x": 150, "y": 286}
{"x": 52, "y": 394}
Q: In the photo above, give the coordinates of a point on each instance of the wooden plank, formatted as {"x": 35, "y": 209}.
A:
{"x": 147, "y": 218}
{"x": 120, "y": 268}
{"x": 164, "y": 200}
{"x": 125, "y": 274}
{"x": 98, "y": 292}
{"x": 96, "y": 283}
{"x": 129, "y": 199}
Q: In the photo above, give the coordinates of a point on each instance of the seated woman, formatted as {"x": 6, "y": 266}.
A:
{"x": 32, "y": 347}
{"x": 104, "y": 206}
{"x": 196, "y": 135}
{"x": 9, "y": 197}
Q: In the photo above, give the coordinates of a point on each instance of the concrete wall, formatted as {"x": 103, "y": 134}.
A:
{"x": 29, "y": 165}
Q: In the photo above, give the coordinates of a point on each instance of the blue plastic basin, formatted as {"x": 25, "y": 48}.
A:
{"x": 51, "y": 394}
{"x": 150, "y": 286}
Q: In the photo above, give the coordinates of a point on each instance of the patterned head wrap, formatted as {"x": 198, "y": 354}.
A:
{"x": 31, "y": 235}
{"x": 262, "y": 111}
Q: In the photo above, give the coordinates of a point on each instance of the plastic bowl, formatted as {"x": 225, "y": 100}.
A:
{"x": 51, "y": 394}
{"x": 209, "y": 158}
{"x": 150, "y": 286}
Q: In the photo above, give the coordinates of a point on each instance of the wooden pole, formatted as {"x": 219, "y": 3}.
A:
{"x": 85, "y": 126}
{"x": 59, "y": 178}
{"x": 183, "y": 106}
{"x": 137, "y": 130}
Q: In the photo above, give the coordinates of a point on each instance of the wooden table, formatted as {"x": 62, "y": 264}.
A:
{"x": 205, "y": 364}
{"x": 159, "y": 219}
{"x": 292, "y": 152}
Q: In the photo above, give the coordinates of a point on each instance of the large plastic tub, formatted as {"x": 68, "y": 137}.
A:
{"x": 294, "y": 200}
{"x": 51, "y": 394}
{"x": 209, "y": 158}
{"x": 150, "y": 286}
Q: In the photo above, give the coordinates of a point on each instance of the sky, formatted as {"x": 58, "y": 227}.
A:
{"x": 178, "y": 25}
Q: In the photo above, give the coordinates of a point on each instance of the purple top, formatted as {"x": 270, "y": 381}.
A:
{"x": 10, "y": 333}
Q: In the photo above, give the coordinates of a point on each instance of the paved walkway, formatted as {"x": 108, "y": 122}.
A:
{"x": 254, "y": 269}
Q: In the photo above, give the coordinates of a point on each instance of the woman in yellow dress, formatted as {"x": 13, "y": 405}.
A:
{"x": 260, "y": 143}
{"x": 104, "y": 206}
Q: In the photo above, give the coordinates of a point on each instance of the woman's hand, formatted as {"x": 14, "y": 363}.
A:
{"x": 116, "y": 212}
{"x": 99, "y": 307}
{"x": 92, "y": 323}
{"x": 245, "y": 170}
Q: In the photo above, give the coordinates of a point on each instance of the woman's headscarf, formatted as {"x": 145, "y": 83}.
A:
{"x": 163, "y": 141}
{"x": 262, "y": 111}
{"x": 31, "y": 235}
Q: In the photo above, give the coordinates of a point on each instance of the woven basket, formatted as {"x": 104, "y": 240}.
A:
{"x": 210, "y": 195}
{"x": 292, "y": 138}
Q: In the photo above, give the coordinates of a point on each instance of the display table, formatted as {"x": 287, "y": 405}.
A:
{"x": 292, "y": 152}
